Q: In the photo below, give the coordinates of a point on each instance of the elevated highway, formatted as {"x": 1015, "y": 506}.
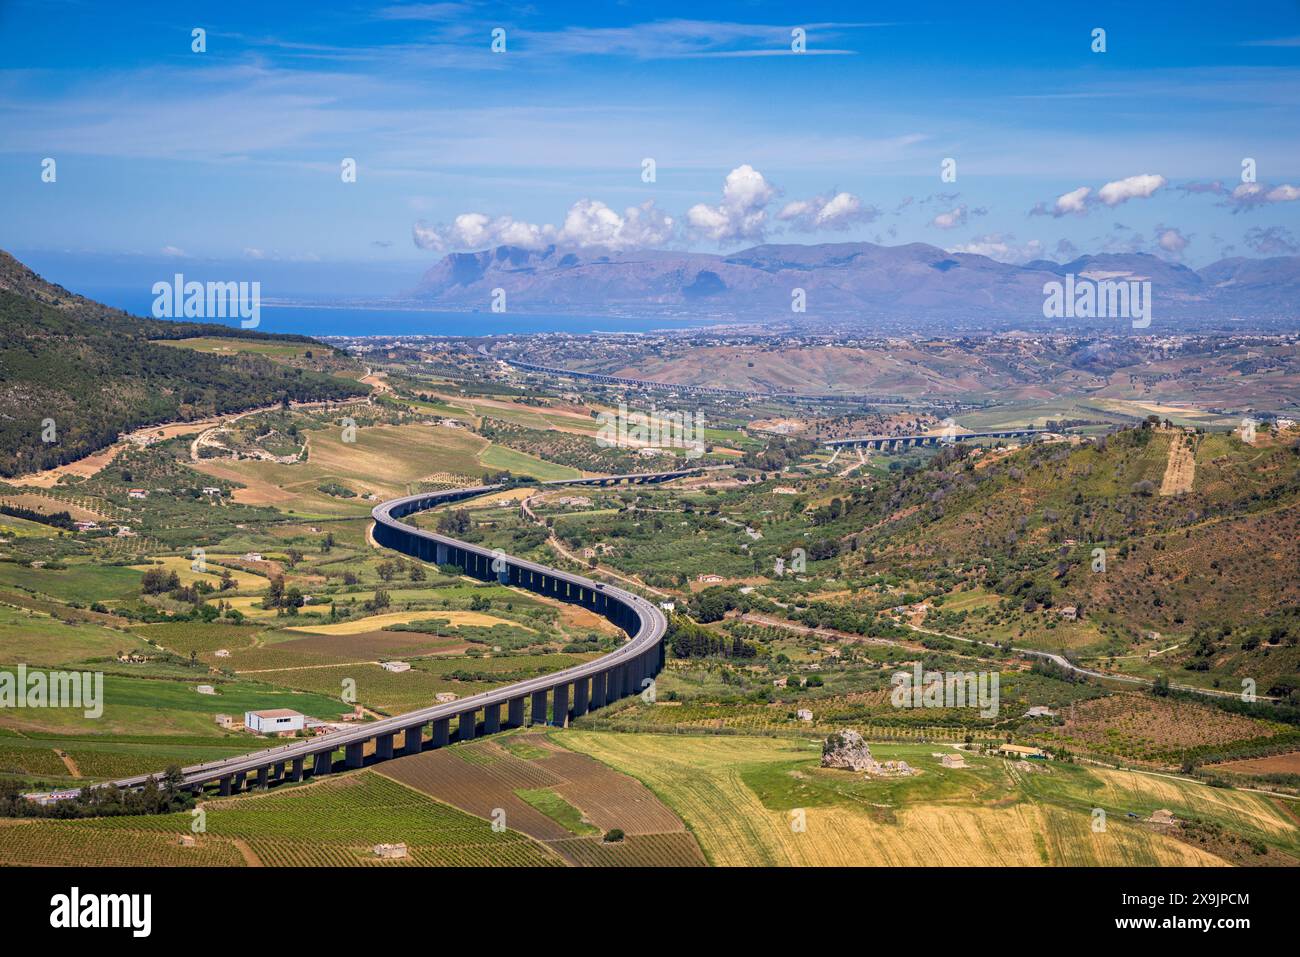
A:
{"x": 552, "y": 698}
{"x": 904, "y": 441}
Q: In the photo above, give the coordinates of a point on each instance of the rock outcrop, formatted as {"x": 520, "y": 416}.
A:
{"x": 848, "y": 751}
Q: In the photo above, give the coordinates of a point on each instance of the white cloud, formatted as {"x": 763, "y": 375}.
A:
{"x": 1283, "y": 194}
{"x": 1171, "y": 240}
{"x": 951, "y": 219}
{"x": 591, "y": 223}
{"x": 174, "y": 252}
{"x": 1075, "y": 201}
{"x": 1120, "y": 191}
{"x": 588, "y": 222}
{"x": 839, "y": 211}
{"x": 741, "y": 214}
{"x": 1001, "y": 247}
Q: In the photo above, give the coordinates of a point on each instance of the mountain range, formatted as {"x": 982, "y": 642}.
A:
{"x": 912, "y": 283}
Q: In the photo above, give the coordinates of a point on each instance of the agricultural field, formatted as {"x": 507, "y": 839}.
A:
{"x": 740, "y": 796}
{"x": 564, "y": 799}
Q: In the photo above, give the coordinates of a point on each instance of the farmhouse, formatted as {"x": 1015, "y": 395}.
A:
{"x": 396, "y": 666}
{"x": 273, "y": 721}
{"x": 252, "y": 556}
{"x": 137, "y": 493}
{"x": 803, "y": 714}
{"x": 1022, "y": 751}
{"x": 1163, "y": 816}
{"x": 211, "y": 490}
{"x": 445, "y": 697}
{"x": 708, "y": 579}
{"x": 953, "y": 761}
{"x": 390, "y": 851}
{"x": 1040, "y": 711}
{"x": 205, "y": 689}
{"x": 224, "y": 721}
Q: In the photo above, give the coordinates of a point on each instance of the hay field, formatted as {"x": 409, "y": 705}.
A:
{"x": 740, "y": 796}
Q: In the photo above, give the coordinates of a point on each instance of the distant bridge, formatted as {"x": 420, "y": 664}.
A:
{"x": 904, "y": 441}
{"x": 693, "y": 389}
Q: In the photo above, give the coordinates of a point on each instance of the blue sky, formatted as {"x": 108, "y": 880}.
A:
{"x": 165, "y": 155}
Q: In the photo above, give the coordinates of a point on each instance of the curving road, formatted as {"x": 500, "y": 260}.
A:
{"x": 571, "y": 692}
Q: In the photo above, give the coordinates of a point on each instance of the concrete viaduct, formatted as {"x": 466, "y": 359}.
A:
{"x": 904, "y": 441}
{"x": 549, "y": 699}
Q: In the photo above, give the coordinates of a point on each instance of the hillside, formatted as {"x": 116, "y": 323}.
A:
{"x": 96, "y": 372}
{"x": 1210, "y": 570}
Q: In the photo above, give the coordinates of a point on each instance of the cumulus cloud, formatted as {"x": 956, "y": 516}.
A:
{"x": 839, "y": 211}
{"x": 1078, "y": 202}
{"x": 588, "y": 222}
{"x": 1171, "y": 239}
{"x": 1074, "y": 202}
{"x": 1245, "y": 196}
{"x": 1133, "y": 187}
{"x": 742, "y": 214}
{"x": 956, "y": 216}
{"x": 1001, "y": 247}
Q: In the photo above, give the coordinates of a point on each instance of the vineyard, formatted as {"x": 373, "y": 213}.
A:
{"x": 544, "y": 794}
{"x": 338, "y": 820}
{"x": 93, "y": 844}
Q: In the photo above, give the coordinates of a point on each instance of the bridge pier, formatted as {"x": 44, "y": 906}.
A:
{"x": 441, "y": 732}
{"x": 468, "y": 725}
{"x": 560, "y": 717}
{"x": 263, "y": 777}
{"x": 492, "y": 719}
{"x": 277, "y": 772}
{"x": 411, "y": 741}
{"x": 224, "y": 785}
{"x": 580, "y": 690}
{"x": 240, "y": 778}
{"x": 295, "y": 769}
{"x": 383, "y": 747}
{"x": 355, "y": 754}
{"x": 515, "y": 713}
{"x": 599, "y": 682}
{"x": 538, "y": 714}
{"x": 323, "y": 764}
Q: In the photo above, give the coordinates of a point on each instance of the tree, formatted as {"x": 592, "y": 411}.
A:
{"x": 417, "y": 573}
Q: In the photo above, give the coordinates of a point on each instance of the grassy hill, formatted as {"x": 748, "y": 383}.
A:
{"x": 97, "y": 372}
{"x": 1211, "y": 569}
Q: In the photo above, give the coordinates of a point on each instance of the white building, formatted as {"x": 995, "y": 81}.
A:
{"x": 804, "y": 714}
{"x": 396, "y": 666}
{"x": 205, "y": 689}
{"x": 274, "y": 721}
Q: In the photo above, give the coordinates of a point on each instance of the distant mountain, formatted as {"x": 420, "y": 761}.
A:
{"x": 914, "y": 282}
{"x": 94, "y": 371}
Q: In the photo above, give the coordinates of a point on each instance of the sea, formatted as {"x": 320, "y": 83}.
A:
{"x": 348, "y": 320}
